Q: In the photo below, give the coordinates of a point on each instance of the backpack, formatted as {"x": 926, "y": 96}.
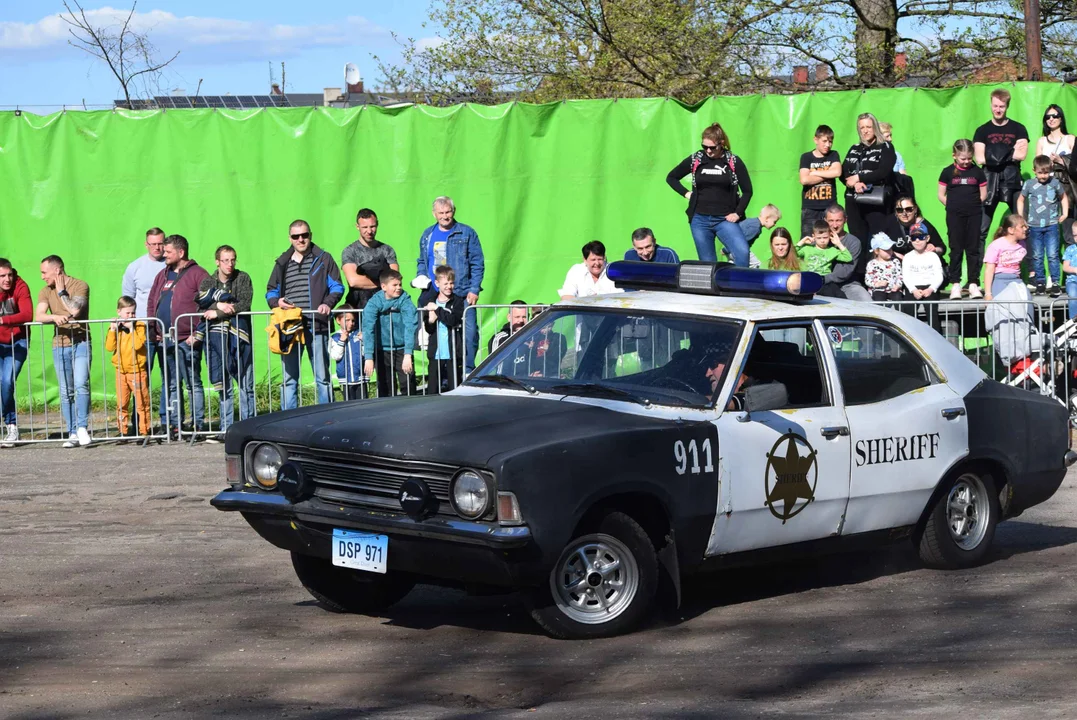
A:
{"x": 697, "y": 160}
{"x": 285, "y": 330}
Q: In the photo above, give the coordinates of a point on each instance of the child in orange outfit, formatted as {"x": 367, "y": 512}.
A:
{"x": 127, "y": 343}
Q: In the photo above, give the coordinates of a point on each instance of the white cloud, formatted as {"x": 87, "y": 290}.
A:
{"x": 428, "y": 43}
{"x": 206, "y": 37}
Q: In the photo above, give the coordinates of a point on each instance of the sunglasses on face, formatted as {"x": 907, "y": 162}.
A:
{"x": 709, "y": 147}
{"x": 302, "y": 235}
{"x": 908, "y": 209}
{"x": 1052, "y": 116}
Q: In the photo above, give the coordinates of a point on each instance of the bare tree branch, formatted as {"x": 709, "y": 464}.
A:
{"x": 128, "y": 53}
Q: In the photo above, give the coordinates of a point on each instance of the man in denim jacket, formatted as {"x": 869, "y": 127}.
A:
{"x": 448, "y": 242}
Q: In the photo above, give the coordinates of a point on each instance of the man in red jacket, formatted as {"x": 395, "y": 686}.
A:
{"x": 16, "y": 308}
{"x": 175, "y": 294}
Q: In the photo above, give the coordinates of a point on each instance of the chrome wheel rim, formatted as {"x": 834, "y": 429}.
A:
{"x": 595, "y": 580}
{"x": 968, "y": 510}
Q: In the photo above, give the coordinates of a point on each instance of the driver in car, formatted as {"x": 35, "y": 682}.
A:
{"x": 714, "y": 376}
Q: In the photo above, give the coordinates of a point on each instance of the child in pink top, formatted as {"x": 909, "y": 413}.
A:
{"x": 1002, "y": 261}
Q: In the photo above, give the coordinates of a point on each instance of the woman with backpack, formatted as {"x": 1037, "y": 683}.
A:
{"x": 719, "y": 197}
{"x": 868, "y": 176}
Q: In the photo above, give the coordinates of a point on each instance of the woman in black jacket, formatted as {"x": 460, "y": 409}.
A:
{"x": 721, "y": 191}
{"x": 868, "y": 176}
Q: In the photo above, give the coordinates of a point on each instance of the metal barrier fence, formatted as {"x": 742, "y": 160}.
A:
{"x": 265, "y": 381}
{"x": 1031, "y": 344}
{"x": 81, "y": 401}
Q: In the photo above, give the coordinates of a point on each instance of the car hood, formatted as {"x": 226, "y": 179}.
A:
{"x": 464, "y": 429}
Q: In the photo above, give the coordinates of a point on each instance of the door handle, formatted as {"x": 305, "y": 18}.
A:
{"x": 951, "y": 413}
{"x": 833, "y": 432}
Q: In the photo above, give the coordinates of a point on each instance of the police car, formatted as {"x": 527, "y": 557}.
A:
{"x": 618, "y": 444}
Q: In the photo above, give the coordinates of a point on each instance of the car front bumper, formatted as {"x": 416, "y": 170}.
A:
{"x": 439, "y": 549}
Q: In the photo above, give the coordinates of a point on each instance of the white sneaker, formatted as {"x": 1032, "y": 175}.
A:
{"x": 72, "y": 441}
{"x": 955, "y": 292}
{"x": 974, "y": 292}
{"x": 11, "y": 438}
{"x": 84, "y": 437}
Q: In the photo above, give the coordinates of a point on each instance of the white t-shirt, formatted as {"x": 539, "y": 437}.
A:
{"x": 579, "y": 282}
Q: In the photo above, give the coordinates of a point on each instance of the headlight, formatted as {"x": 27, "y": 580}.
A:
{"x": 265, "y": 463}
{"x": 470, "y": 494}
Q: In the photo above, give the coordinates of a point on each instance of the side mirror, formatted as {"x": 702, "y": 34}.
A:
{"x": 768, "y": 396}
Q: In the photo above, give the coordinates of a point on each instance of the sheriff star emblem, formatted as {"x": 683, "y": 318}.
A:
{"x": 791, "y": 474}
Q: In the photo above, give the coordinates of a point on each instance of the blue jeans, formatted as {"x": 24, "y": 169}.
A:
{"x": 12, "y": 356}
{"x": 1045, "y": 239}
{"x": 153, "y": 349}
{"x": 230, "y": 359}
{"x": 706, "y": 227}
{"x": 72, "y": 366}
{"x": 471, "y": 340}
{"x": 317, "y": 349}
{"x": 1071, "y": 290}
{"x": 189, "y": 373}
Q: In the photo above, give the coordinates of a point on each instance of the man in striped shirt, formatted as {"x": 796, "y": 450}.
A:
{"x": 306, "y": 277}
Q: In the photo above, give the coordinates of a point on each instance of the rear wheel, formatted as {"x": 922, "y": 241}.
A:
{"x": 344, "y": 590}
{"x": 603, "y": 583}
{"x": 962, "y": 524}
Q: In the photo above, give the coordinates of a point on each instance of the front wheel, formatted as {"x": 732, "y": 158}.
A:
{"x": 603, "y": 583}
{"x": 962, "y": 524}
{"x": 344, "y": 590}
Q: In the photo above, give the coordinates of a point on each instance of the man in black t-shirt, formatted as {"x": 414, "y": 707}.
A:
{"x": 818, "y": 171}
{"x": 999, "y": 146}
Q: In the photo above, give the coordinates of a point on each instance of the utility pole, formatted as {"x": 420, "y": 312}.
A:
{"x": 1033, "y": 41}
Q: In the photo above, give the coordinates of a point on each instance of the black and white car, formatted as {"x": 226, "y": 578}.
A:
{"x": 714, "y": 417}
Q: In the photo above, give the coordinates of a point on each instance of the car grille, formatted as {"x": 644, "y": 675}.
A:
{"x": 368, "y": 480}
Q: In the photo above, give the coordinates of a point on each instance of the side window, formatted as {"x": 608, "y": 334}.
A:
{"x": 788, "y": 355}
{"x": 875, "y": 363}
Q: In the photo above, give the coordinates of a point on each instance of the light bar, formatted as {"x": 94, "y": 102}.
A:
{"x": 708, "y": 278}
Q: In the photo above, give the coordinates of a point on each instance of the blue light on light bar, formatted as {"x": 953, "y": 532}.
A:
{"x": 714, "y": 279}
{"x": 767, "y": 282}
{"x": 635, "y": 275}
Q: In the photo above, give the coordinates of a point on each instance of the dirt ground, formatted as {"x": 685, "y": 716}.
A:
{"x": 124, "y": 594}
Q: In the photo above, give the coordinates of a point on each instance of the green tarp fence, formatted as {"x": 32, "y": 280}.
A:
{"x": 536, "y": 181}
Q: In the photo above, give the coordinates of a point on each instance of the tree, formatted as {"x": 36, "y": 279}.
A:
{"x": 543, "y": 50}
{"x": 128, "y": 53}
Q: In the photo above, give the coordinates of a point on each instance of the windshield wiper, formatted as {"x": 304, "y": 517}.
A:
{"x": 592, "y": 388}
{"x": 505, "y": 380}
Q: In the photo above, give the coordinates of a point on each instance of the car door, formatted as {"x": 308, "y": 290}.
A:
{"x": 784, "y": 472}
{"x": 908, "y": 428}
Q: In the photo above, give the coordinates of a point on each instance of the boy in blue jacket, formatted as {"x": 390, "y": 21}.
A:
{"x": 393, "y": 313}
{"x": 346, "y": 349}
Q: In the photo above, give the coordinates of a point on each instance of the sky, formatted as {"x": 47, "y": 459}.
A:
{"x": 228, "y": 45}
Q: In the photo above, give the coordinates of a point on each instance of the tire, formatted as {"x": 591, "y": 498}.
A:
{"x": 609, "y": 598}
{"x": 962, "y": 524}
{"x": 343, "y": 590}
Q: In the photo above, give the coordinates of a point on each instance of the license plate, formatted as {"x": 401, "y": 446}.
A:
{"x": 360, "y": 550}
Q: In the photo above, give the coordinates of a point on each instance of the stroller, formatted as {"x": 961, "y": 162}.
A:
{"x": 1034, "y": 358}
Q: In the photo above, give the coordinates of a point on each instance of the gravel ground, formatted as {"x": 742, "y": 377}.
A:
{"x": 124, "y": 594}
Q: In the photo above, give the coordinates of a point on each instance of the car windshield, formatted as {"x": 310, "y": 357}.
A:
{"x": 642, "y": 358}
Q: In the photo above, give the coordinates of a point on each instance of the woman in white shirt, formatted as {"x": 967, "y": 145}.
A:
{"x": 1056, "y": 143}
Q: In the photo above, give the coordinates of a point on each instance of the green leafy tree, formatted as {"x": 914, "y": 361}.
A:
{"x": 543, "y": 50}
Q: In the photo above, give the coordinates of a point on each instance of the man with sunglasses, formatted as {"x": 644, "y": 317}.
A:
{"x": 999, "y": 146}
{"x": 306, "y": 277}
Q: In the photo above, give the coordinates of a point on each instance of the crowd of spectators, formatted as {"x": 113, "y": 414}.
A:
{"x": 869, "y": 242}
